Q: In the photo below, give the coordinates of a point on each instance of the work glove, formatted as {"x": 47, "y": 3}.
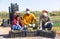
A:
{"x": 29, "y": 24}
{"x": 46, "y": 23}
{"x": 25, "y": 26}
{"x": 33, "y": 25}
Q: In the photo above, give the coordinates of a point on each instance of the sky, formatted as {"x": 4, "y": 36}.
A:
{"x": 33, "y": 5}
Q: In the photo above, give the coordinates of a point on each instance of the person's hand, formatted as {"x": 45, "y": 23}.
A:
{"x": 25, "y": 26}
{"x": 30, "y": 25}
{"x": 33, "y": 25}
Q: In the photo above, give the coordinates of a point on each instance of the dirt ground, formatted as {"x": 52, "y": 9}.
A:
{"x": 5, "y": 30}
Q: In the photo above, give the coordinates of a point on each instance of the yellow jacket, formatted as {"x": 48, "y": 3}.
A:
{"x": 27, "y": 19}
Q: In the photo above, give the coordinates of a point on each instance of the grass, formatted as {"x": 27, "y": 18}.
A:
{"x": 55, "y": 18}
{"x": 56, "y": 24}
{"x": 56, "y": 28}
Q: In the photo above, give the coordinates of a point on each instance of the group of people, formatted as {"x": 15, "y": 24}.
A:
{"x": 29, "y": 19}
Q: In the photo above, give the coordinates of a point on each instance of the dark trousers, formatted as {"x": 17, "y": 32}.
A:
{"x": 48, "y": 26}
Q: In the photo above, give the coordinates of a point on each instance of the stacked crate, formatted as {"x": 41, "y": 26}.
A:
{"x": 12, "y": 9}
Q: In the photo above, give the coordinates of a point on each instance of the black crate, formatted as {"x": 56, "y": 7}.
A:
{"x": 43, "y": 33}
{"x": 12, "y": 9}
{"x": 24, "y": 33}
{"x": 31, "y": 33}
{"x": 17, "y": 33}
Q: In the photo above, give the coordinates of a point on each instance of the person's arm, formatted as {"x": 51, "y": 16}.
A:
{"x": 49, "y": 21}
{"x": 24, "y": 20}
{"x": 40, "y": 22}
{"x": 21, "y": 23}
{"x": 34, "y": 19}
{"x": 14, "y": 22}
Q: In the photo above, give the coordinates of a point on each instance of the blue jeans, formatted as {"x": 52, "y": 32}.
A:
{"x": 48, "y": 26}
{"x": 16, "y": 27}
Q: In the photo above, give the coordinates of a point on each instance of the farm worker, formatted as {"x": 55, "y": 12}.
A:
{"x": 45, "y": 21}
{"x": 29, "y": 19}
{"x": 17, "y": 22}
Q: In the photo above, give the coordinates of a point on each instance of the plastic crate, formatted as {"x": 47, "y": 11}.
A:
{"x": 43, "y": 33}
{"x": 31, "y": 33}
{"x": 17, "y": 33}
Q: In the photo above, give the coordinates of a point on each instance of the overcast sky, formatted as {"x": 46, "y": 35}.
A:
{"x": 49, "y": 5}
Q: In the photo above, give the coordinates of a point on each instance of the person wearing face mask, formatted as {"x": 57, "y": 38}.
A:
{"x": 45, "y": 21}
{"x": 29, "y": 18}
{"x": 17, "y": 22}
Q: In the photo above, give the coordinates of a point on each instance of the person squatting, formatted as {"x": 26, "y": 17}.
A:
{"x": 29, "y": 19}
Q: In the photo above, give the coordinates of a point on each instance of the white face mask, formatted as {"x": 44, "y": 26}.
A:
{"x": 28, "y": 12}
{"x": 45, "y": 14}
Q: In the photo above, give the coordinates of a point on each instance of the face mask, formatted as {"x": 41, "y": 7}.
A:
{"x": 45, "y": 14}
{"x": 28, "y": 12}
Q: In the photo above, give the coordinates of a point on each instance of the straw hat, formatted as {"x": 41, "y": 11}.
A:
{"x": 44, "y": 11}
